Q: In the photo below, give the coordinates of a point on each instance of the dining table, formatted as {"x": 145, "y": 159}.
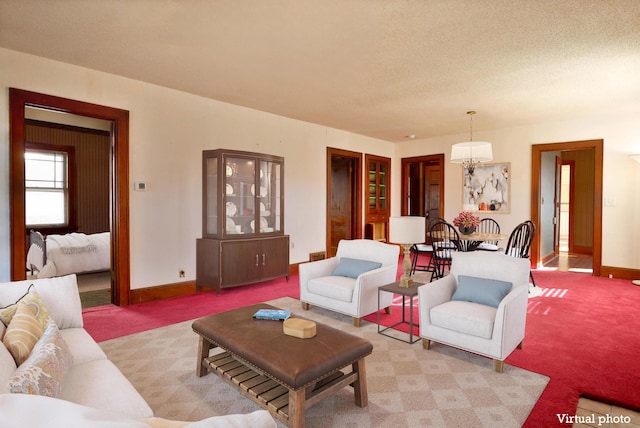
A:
{"x": 470, "y": 242}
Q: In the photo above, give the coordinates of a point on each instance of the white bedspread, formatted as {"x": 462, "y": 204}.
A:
{"x": 73, "y": 253}
{"x": 73, "y": 243}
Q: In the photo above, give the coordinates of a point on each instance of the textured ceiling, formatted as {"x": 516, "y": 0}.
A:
{"x": 382, "y": 68}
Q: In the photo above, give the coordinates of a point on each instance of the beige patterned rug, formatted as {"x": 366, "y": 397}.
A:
{"x": 407, "y": 385}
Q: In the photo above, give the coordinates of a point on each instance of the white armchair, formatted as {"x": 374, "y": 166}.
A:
{"x": 356, "y": 296}
{"x": 486, "y": 330}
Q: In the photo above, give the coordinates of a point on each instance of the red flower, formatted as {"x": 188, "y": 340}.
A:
{"x": 466, "y": 219}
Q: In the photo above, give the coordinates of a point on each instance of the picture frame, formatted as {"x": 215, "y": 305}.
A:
{"x": 487, "y": 190}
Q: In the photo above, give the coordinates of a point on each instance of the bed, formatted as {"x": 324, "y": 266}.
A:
{"x": 56, "y": 255}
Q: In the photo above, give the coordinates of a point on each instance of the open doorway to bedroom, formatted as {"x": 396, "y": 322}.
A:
{"x": 117, "y": 216}
{"x": 67, "y": 197}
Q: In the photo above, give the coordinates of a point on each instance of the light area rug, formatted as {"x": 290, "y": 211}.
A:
{"x": 407, "y": 385}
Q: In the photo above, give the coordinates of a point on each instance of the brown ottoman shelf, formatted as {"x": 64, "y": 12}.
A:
{"x": 283, "y": 374}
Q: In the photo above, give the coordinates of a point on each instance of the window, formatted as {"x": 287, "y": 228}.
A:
{"x": 48, "y": 196}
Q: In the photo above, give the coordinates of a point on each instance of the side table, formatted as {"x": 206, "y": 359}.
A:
{"x": 409, "y": 293}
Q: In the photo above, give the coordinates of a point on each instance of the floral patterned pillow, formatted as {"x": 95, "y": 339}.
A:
{"x": 44, "y": 371}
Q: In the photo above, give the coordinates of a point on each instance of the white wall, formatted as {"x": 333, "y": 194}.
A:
{"x": 621, "y": 135}
{"x": 168, "y": 131}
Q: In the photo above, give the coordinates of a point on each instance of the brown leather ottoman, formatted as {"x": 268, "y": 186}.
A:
{"x": 283, "y": 374}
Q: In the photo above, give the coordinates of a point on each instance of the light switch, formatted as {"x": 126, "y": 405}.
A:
{"x": 140, "y": 186}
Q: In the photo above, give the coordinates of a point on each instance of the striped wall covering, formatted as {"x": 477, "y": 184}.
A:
{"x": 92, "y": 151}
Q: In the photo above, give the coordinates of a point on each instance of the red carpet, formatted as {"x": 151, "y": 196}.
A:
{"x": 110, "y": 321}
{"x": 584, "y": 333}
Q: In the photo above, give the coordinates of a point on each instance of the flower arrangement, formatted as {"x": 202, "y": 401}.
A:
{"x": 466, "y": 219}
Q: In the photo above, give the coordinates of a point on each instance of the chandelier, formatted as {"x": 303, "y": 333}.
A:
{"x": 471, "y": 153}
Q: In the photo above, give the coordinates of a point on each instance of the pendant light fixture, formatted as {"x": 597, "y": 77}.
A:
{"x": 471, "y": 153}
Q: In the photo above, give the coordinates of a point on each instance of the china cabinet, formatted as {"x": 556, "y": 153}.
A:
{"x": 378, "y": 184}
{"x": 243, "y": 238}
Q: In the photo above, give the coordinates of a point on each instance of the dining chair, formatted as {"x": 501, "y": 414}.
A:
{"x": 488, "y": 225}
{"x": 445, "y": 241}
{"x": 424, "y": 249}
{"x": 519, "y": 242}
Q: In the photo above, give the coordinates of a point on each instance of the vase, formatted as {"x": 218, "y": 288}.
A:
{"x": 467, "y": 230}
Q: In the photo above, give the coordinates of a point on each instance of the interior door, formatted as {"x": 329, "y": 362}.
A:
{"x": 556, "y": 206}
{"x": 344, "y": 196}
{"x": 432, "y": 191}
{"x": 341, "y": 196}
{"x": 423, "y": 186}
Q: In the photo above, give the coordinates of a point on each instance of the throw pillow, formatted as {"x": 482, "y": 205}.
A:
{"x": 31, "y": 298}
{"x": 59, "y": 295}
{"x": 353, "y": 268}
{"x": 44, "y": 371}
{"x": 23, "y": 332}
{"x": 485, "y": 291}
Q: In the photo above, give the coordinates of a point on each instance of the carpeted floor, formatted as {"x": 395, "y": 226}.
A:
{"x": 582, "y": 332}
{"x": 407, "y": 385}
{"x": 93, "y": 298}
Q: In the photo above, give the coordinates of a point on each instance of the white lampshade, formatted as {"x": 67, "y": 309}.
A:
{"x": 407, "y": 230}
{"x": 635, "y": 158}
{"x": 471, "y": 152}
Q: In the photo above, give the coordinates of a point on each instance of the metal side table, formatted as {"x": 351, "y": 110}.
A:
{"x": 410, "y": 293}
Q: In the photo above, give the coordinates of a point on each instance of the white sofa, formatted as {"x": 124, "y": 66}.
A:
{"x": 487, "y": 317}
{"x": 93, "y": 385}
{"x": 354, "y": 296}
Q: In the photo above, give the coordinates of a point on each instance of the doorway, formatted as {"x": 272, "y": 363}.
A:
{"x": 344, "y": 197}
{"x": 119, "y": 180}
{"x": 582, "y": 162}
{"x": 423, "y": 186}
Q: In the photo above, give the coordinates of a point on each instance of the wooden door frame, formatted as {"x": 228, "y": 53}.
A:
{"x": 572, "y": 211}
{"x": 120, "y": 255}
{"x": 439, "y": 159}
{"x": 357, "y": 157}
{"x": 557, "y": 206}
{"x": 536, "y": 176}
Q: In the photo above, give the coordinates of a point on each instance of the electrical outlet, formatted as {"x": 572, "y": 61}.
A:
{"x": 181, "y": 273}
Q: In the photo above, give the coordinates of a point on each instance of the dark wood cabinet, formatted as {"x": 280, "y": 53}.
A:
{"x": 243, "y": 238}
{"x": 378, "y": 185}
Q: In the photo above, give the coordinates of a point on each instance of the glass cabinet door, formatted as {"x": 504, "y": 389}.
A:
{"x": 270, "y": 197}
{"x": 378, "y": 180}
{"x": 382, "y": 187}
{"x": 211, "y": 196}
{"x": 239, "y": 195}
{"x": 242, "y": 194}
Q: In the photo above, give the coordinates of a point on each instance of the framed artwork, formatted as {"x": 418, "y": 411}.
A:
{"x": 487, "y": 189}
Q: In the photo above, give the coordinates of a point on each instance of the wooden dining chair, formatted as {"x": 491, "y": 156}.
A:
{"x": 519, "y": 242}
{"x": 445, "y": 241}
{"x": 424, "y": 249}
{"x": 488, "y": 225}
